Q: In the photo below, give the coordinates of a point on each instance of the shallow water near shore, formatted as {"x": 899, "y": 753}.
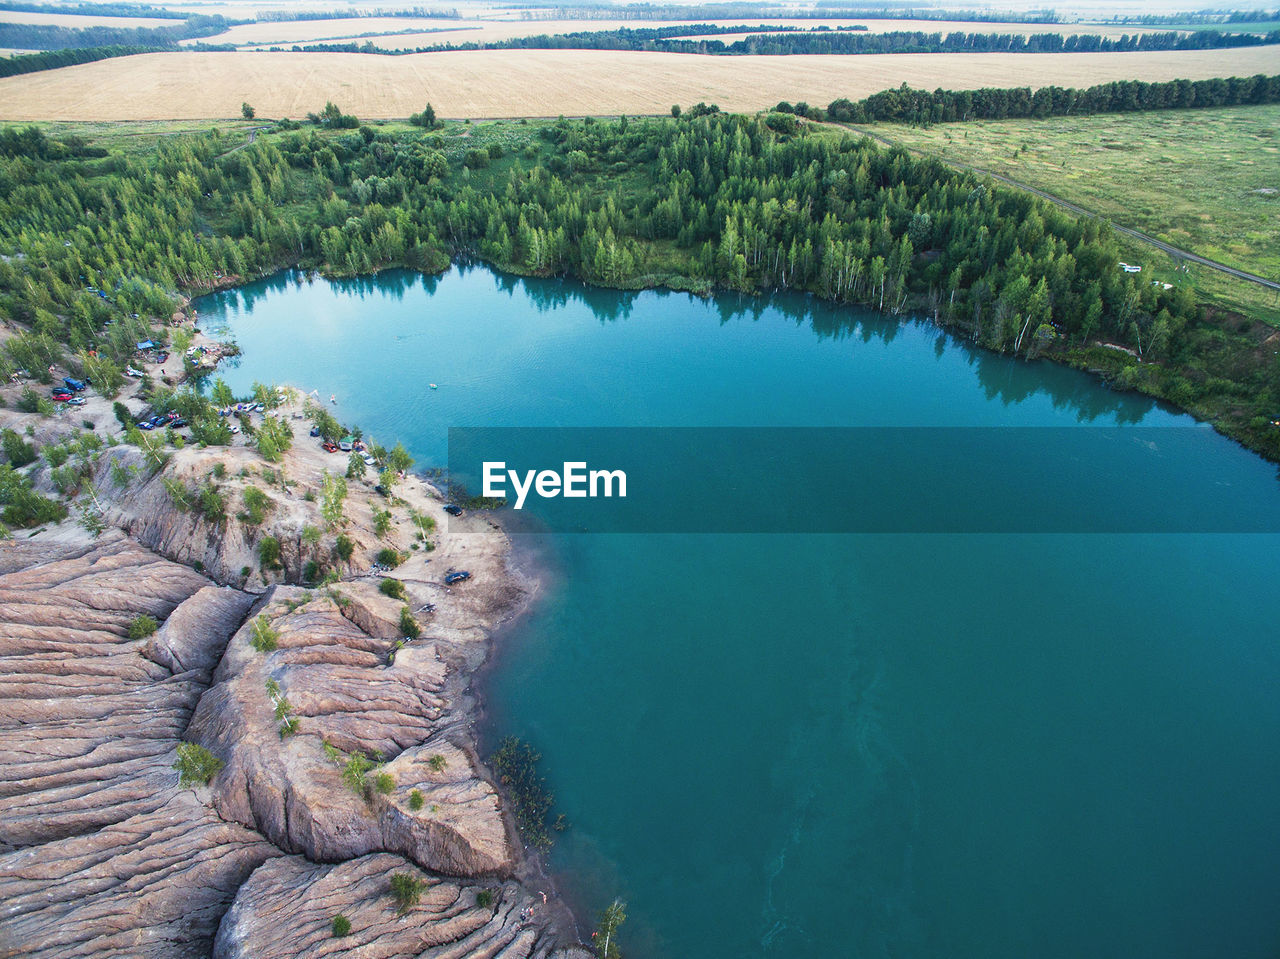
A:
{"x": 861, "y": 745}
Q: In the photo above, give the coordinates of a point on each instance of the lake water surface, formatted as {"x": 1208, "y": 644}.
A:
{"x": 908, "y": 746}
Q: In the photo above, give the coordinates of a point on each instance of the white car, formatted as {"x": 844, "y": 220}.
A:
{"x": 369, "y": 460}
{"x": 132, "y": 372}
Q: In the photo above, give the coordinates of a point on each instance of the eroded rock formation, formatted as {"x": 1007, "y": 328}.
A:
{"x": 290, "y": 904}
{"x": 340, "y": 688}
{"x": 104, "y": 852}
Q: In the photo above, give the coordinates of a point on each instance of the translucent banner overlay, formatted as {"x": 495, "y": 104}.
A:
{"x": 870, "y": 480}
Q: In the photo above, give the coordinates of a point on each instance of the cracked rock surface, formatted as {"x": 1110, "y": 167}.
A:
{"x": 104, "y": 853}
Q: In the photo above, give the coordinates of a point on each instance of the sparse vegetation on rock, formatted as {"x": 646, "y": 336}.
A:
{"x": 263, "y": 637}
{"x": 142, "y": 626}
{"x": 196, "y": 765}
{"x": 406, "y": 890}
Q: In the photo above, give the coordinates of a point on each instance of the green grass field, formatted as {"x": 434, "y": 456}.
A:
{"x": 1203, "y": 180}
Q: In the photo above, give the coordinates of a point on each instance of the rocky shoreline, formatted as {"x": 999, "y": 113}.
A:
{"x": 104, "y": 851}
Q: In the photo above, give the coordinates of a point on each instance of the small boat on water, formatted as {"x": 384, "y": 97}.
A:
{"x": 433, "y": 386}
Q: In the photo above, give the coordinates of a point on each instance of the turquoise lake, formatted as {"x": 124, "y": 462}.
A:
{"x": 870, "y": 745}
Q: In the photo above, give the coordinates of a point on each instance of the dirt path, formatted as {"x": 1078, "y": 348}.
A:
{"x": 1081, "y": 211}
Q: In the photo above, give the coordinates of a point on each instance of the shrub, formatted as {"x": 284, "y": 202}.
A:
{"x": 384, "y": 783}
{"x": 256, "y": 506}
{"x": 356, "y": 773}
{"x": 393, "y": 588}
{"x": 406, "y": 890}
{"x": 356, "y": 466}
{"x": 390, "y": 558}
{"x": 437, "y": 763}
{"x": 341, "y": 926}
{"x": 196, "y": 764}
{"x": 269, "y": 553}
{"x": 344, "y": 547}
{"x": 310, "y": 571}
{"x": 142, "y": 626}
{"x": 23, "y": 506}
{"x": 484, "y": 898}
{"x": 17, "y": 451}
{"x": 212, "y": 504}
{"x": 476, "y": 159}
{"x": 408, "y": 625}
{"x": 416, "y": 800}
{"x": 123, "y": 417}
{"x": 381, "y": 522}
{"x": 263, "y": 637}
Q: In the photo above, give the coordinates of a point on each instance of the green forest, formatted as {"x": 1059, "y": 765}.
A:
{"x": 699, "y": 202}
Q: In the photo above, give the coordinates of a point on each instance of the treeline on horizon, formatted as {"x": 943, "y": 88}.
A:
{"x": 854, "y": 40}
{"x": 829, "y": 10}
{"x": 53, "y": 59}
{"x": 290, "y": 16}
{"x": 921, "y": 107}
{"x": 1203, "y": 16}
{"x": 39, "y": 36}
{"x": 96, "y": 9}
{"x": 701, "y": 202}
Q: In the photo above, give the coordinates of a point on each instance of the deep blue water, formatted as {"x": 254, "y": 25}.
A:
{"x": 925, "y": 745}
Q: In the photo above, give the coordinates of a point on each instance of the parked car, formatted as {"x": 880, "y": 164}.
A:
{"x": 315, "y": 431}
{"x": 74, "y": 384}
{"x": 458, "y": 576}
{"x": 145, "y": 425}
{"x": 329, "y": 447}
{"x": 60, "y": 395}
{"x": 346, "y": 443}
{"x": 178, "y": 423}
{"x": 369, "y": 460}
{"x": 76, "y": 401}
{"x": 452, "y": 510}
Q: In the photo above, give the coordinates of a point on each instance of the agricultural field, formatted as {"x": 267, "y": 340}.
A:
{"x": 513, "y": 83}
{"x": 1204, "y": 180}
{"x": 289, "y": 32}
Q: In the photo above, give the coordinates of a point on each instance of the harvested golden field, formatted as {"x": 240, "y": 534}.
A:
{"x": 310, "y": 31}
{"x": 79, "y": 22}
{"x": 512, "y": 83}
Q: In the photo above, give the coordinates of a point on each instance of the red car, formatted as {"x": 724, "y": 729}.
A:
{"x": 61, "y": 396}
{"x": 329, "y": 447}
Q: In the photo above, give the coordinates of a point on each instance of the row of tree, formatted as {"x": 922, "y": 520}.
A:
{"x": 53, "y": 59}
{"x": 906, "y": 105}
{"x": 127, "y": 10}
{"x": 42, "y": 36}
{"x": 739, "y": 9}
{"x": 790, "y": 40}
